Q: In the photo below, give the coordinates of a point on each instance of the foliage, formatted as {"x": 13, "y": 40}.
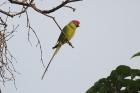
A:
{"x": 121, "y": 80}
{"x": 136, "y": 54}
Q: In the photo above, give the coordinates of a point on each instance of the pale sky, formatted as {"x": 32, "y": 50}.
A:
{"x": 108, "y": 36}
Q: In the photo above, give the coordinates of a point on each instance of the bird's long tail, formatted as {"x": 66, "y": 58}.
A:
{"x": 55, "y": 52}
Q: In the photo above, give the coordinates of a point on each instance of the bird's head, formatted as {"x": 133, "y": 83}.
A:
{"x": 76, "y": 22}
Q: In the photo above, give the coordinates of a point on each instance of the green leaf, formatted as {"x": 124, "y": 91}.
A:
{"x": 136, "y": 54}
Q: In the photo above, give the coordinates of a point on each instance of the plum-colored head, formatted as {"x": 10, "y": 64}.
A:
{"x": 76, "y": 22}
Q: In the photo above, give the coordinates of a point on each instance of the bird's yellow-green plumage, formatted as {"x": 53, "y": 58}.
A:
{"x": 69, "y": 31}
{"x": 65, "y": 36}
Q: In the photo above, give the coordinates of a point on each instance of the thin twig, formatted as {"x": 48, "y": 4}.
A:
{"x": 2, "y": 4}
{"x": 28, "y": 24}
{"x": 14, "y": 30}
{"x": 38, "y": 40}
{"x": 7, "y": 68}
{"x": 73, "y": 9}
{"x": 40, "y": 47}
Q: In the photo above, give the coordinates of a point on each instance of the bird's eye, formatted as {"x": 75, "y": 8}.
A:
{"x": 77, "y": 25}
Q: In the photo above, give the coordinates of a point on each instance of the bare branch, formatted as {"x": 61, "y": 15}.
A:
{"x": 38, "y": 43}
{"x": 33, "y": 6}
{"x": 3, "y": 23}
{"x": 38, "y": 40}
{"x": 2, "y": 4}
{"x": 74, "y": 0}
{"x": 21, "y": 3}
{"x": 73, "y": 9}
{"x": 57, "y": 7}
{"x": 7, "y": 69}
{"x": 18, "y": 13}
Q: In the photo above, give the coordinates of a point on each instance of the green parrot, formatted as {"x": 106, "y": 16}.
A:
{"x": 65, "y": 36}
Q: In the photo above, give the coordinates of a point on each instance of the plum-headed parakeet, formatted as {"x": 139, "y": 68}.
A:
{"x": 65, "y": 36}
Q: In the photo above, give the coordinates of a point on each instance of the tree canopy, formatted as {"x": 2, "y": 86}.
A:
{"x": 121, "y": 80}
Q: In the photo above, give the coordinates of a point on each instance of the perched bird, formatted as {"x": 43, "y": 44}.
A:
{"x": 65, "y": 36}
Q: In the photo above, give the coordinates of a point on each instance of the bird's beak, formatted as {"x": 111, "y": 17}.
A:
{"x": 77, "y": 26}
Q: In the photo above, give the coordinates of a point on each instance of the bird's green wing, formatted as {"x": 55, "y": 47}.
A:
{"x": 63, "y": 35}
